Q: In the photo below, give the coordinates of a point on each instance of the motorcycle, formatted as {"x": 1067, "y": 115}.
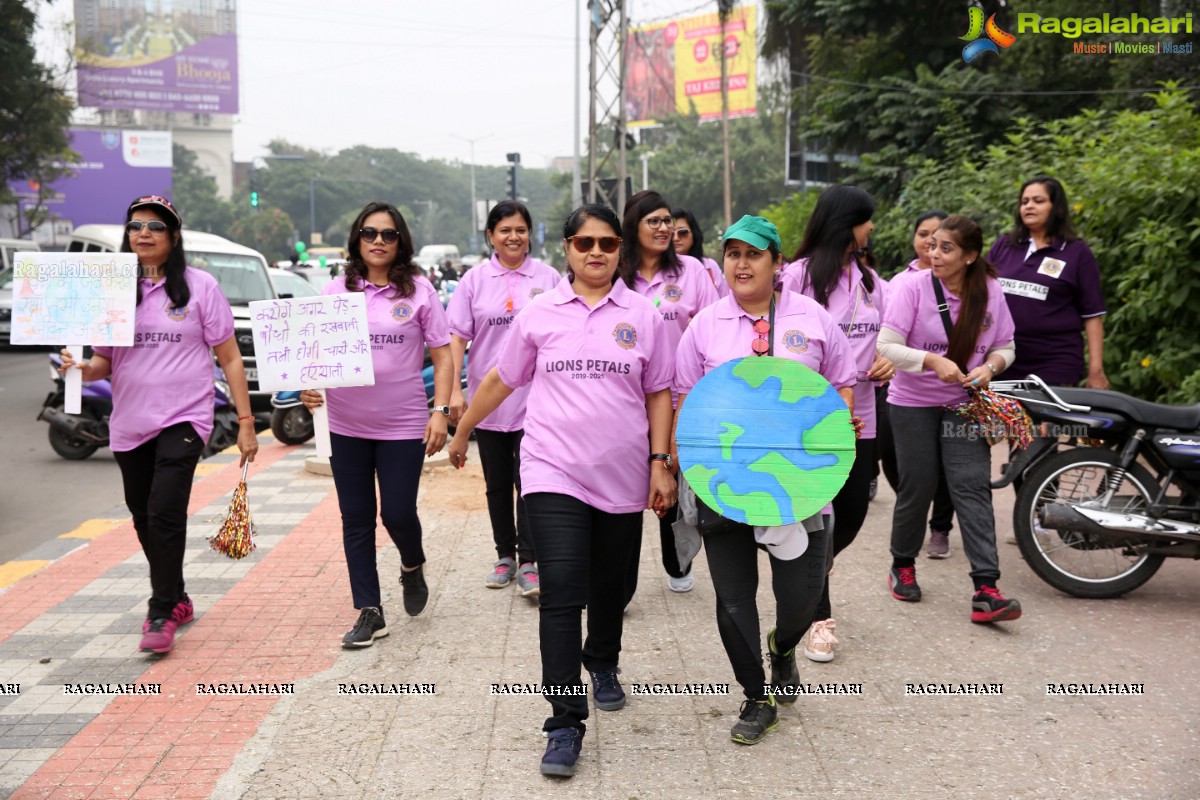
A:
{"x": 1098, "y": 519}
{"x": 292, "y": 423}
{"x": 77, "y": 436}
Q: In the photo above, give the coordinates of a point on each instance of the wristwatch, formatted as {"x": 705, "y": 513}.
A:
{"x": 663, "y": 457}
{"x": 444, "y": 409}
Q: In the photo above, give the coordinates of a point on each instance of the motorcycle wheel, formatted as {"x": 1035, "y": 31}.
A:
{"x": 292, "y": 425}
{"x": 70, "y": 447}
{"x": 1076, "y": 562}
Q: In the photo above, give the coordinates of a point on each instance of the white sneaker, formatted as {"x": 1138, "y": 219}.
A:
{"x": 683, "y": 584}
{"x": 820, "y": 641}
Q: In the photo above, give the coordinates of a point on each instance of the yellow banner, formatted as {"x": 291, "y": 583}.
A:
{"x": 671, "y": 67}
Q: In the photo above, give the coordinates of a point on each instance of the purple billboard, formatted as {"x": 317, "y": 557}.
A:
{"x": 114, "y": 168}
{"x": 161, "y": 55}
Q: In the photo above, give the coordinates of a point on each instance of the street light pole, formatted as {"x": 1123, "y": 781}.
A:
{"x": 474, "y": 209}
{"x": 646, "y": 169}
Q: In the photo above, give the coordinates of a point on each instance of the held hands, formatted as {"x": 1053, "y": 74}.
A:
{"x": 457, "y": 449}
{"x": 458, "y": 405}
{"x": 882, "y": 369}
{"x": 663, "y": 490}
{"x": 312, "y": 399}
{"x": 435, "y": 433}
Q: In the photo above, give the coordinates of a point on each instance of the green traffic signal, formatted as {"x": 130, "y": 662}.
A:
{"x": 254, "y": 199}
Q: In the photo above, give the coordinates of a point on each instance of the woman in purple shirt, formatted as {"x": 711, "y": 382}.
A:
{"x": 481, "y": 312}
{"x": 384, "y": 432}
{"x": 163, "y": 401}
{"x": 1052, "y": 285}
{"x": 594, "y": 456}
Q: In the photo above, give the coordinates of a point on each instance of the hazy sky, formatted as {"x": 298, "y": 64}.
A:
{"x": 412, "y": 74}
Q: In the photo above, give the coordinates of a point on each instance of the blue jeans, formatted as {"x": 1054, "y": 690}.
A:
{"x": 583, "y": 554}
{"x": 397, "y": 463}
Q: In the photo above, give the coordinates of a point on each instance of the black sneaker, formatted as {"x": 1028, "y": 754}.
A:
{"x": 606, "y": 690}
{"x": 416, "y": 591}
{"x": 988, "y": 605}
{"x": 370, "y": 626}
{"x": 783, "y": 671}
{"x": 903, "y": 583}
{"x": 757, "y": 717}
{"x": 873, "y": 489}
{"x": 562, "y": 751}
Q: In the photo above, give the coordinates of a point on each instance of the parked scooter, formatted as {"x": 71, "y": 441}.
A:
{"x": 77, "y": 436}
{"x": 1098, "y": 519}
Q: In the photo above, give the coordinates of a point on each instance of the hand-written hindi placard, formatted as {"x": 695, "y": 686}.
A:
{"x": 312, "y": 342}
{"x": 74, "y": 298}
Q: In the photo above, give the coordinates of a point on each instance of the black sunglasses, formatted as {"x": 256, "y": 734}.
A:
{"x": 390, "y": 235}
{"x": 154, "y": 226}
{"x": 584, "y": 244}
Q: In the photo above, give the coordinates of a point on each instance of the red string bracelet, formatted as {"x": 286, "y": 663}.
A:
{"x": 243, "y": 419}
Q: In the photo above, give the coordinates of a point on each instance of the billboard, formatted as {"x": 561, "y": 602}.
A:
{"x": 161, "y": 55}
{"x": 114, "y": 168}
{"x": 672, "y": 66}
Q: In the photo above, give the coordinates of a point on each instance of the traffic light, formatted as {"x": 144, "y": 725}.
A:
{"x": 515, "y": 160}
{"x": 254, "y": 199}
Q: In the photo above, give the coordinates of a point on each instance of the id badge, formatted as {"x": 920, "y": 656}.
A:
{"x": 1052, "y": 267}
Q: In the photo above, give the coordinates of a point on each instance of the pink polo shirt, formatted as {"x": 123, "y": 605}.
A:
{"x": 718, "y": 276}
{"x": 166, "y": 377}
{"x": 679, "y": 297}
{"x": 482, "y": 310}
{"x": 912, "y": 313}
{"x": 589, "y": 371}
{"x": 400, "y": 327}
{"x": 804, "y": 332}
{"x": 859, "y": 314}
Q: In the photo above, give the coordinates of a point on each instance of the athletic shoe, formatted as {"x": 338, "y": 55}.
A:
{"x": 820, "y": 641}
{"x": 159, "y": 636}
{"x": 370, "y": 626}
{"x": 502, "y": 573}
{"x": 755, "y": 720}
{"x": 416, "y": 592}
{"x": 903, "y": 583}
{"x": 939, "y": 545}
{"x": 873, "y": 489}
{"x": 683, "y": 584}
{"x": 783, "y": 671}
{"x": 606, "y": 690}
{"x": 528, "y": 581}
{"x": 182, "y": 613}
{"x": 562, "y": 751}
{"x": 988, "y": 605}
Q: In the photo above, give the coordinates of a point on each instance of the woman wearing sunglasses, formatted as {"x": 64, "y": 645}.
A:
{"x": 594, "y": 456}
{"x": 758, "y": 319}
{"x": 481, "y": 312}
{"x": 689, "y": 241}
{"x": 163, "y": 401}
{"x": 385, "y": 431}
{"x": 679, "y": 286}
{"x": 832, "y": 266}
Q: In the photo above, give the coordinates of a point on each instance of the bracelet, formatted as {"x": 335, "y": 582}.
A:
{"x": 243, "y": 419}
{"x": 988, "y": 364}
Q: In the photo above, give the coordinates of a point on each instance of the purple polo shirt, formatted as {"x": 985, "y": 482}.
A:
{"x": 400, "y": 327}
{"x": 482, "y": 310}
{"x": 804, "y": 332}
{"x": 166, "y": 377}
{"x": 912, "y": 312}
{"x": 859, "y": 314}
{"x": 1050, "y": 292}
{"x": 589, "y": 371}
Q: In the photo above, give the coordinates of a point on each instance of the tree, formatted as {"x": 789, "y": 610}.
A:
{"x": 35, "y": 113}
{"x": 269, "y": 231}
{"x": 196, "y": 195}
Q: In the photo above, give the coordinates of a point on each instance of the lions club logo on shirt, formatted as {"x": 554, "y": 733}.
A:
{"x": 672, "y": 293}
{"x": 177, "y": 314}
{"x": 402, "y": 312}
{"x": 795, "y": 341}
{"x": 625, "y": 336}
{"x": 987, "y": 320}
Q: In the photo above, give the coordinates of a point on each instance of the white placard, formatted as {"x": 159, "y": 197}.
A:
{"x": 74, "y": 298}
{"x": 312, "y": 342}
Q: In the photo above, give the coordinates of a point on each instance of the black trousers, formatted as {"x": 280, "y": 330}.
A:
{"x": 733, "y": 563}
{"x": 157, "y": 477}
{"x": 849, "y": 512}
{"x": 580, "y": 548}
{"x": 500, "y": 456}
{"x": 356, "y": 464}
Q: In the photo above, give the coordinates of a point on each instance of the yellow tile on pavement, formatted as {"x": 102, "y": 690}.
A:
{"x": 92, "y": 529}
{"x": 207, "y": 468}
{"x": 13, "y": 571}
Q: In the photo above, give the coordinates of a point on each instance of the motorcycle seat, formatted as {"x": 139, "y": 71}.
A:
{"x": 1143, "y": 412}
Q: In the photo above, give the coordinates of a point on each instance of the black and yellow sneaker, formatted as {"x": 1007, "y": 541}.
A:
{"x": 756, "y": 718}
{"x": 784, "y": 676}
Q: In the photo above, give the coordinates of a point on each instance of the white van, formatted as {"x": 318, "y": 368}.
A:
{"x": 7, "y": 248}
{"x": 437, "y": 254}
{"x": 241, "y": 272}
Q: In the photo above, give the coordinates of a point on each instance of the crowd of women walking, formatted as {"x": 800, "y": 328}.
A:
{"x": 575, "y": 386}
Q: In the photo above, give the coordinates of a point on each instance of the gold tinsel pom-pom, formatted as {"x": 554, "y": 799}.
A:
{"x": 236, "y": 536}
{"x": 998, "y": 418}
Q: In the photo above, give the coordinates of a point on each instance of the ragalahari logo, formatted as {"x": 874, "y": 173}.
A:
{"x": 996, "y": 37}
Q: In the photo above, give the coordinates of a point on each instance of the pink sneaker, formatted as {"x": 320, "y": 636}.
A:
{"x": 159, "y": 636}
{"x": 183, "y": 613}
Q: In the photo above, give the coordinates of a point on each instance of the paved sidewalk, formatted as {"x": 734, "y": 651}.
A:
{"x": 275, "y": 620}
